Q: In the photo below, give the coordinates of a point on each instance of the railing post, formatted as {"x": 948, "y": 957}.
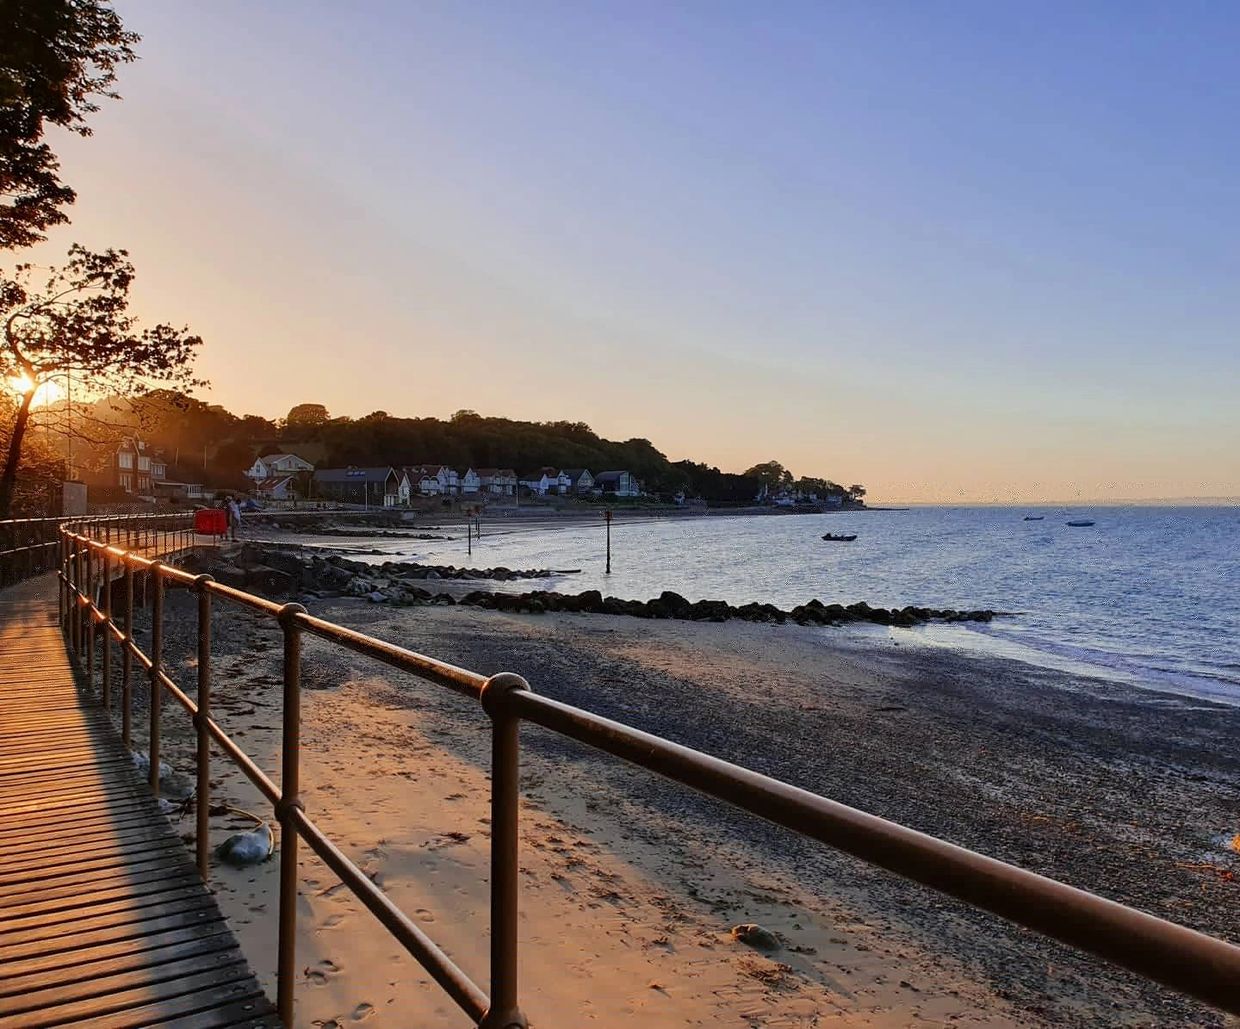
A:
{"x": 157, "y": 690}
{"x": 504, "y": 1012}
{"x": 290, "y": 798}
{"x": 203, "y": 797}
{"x": 78, "y": 642}
{"x": 107, "y": 632}
{"x": 89, "y": 616}
{"x": 71, "y": 600}
{"x": 127, "y": 661}
{"x": 62, "y": 579}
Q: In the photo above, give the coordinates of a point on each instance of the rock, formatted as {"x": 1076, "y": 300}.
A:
{"x": 590, "y": 600}
{"x": 269, "y": 580}
{"x": 674, "y": 603}
{"x": 229, "y": 575}
{"x": 375, "y": 597}
{"x": 142, "y": 762}
{"x": 247, "y": 848}
{"x": 753, "y": 935}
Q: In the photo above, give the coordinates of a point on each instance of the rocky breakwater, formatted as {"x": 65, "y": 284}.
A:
{"x": 673, "y": 605}
{"x": 285, "y": 572}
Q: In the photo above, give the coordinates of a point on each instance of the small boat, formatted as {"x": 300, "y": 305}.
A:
{"x": 1034, "y": 518}
{"x": 1081, "y": 523}
{"x": 832, "y": 537}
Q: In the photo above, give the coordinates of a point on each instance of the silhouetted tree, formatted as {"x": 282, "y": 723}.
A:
{"x": 307, "y": 415}
{"x": 771, "y": 474}
{"x": 56, "y": 57}
{"x": 78, "y": 323}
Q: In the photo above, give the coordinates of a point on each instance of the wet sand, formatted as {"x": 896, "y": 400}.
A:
{"x": 630, "y": 884}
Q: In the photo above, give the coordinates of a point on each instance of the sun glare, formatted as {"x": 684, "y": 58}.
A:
{"x": 49, "y": 392}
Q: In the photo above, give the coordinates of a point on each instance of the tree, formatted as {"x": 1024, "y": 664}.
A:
{"x": 856, "y": 492}
{"x": 56, "y": 57}
{"x": 771, "y": 474}
{"x": 77, "y": 323}
{"x": 37, "y": 491}
{"x": 307, "y": 415}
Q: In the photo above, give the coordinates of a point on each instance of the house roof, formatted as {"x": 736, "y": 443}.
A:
{"x": 277, "y": 457}
{"x": 427, "y": 471}
{"x": 574, "y": 474}
{"x": 494, "y": 473}
{"x": 346, "y": 475}
{"x": 609, "y": 476}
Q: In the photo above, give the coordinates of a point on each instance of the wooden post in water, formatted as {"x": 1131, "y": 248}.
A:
{"x": 607, "y": 519}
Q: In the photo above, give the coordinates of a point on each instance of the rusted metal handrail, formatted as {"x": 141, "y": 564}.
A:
{"x": 1196, "y": 964}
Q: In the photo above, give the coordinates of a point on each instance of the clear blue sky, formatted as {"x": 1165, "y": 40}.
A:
{"x": 951, "y": 250}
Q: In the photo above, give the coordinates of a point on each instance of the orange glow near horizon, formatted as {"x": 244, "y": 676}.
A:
{"x": 45, "y": 393}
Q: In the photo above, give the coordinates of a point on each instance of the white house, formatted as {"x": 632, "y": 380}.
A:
{"x": 273, "y": 465}
{"x": 579, "y": 479}
{"x": 278, "y": 487}
{"x": 431, "y": 480}
{"x": 617, "y": 484}
{"x": 498, "y": 481}
{"x": 471, "y": 482}
{"x": 546, "y": 480}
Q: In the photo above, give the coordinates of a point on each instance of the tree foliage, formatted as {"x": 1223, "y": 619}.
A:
{"x": 303, "y": 415}
{"x": 771, "y": 474}
{"x": 76, "y": 322}
{"x": 56, "y": 58}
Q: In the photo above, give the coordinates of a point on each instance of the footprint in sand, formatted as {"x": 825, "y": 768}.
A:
{"x": 363, "y": 1011}
{"x": 319, "y": 974}
{"x": 424, "y": 915}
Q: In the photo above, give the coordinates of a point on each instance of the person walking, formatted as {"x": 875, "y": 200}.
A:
{"x": 234, "y": 518}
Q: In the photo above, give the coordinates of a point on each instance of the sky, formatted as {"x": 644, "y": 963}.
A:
{"x": 962, "y": 252}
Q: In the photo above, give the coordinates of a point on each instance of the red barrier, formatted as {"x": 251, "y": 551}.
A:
{"x": 211, "y": 521}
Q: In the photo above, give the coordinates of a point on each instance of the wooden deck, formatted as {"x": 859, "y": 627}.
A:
{"x": 103, "y": 919}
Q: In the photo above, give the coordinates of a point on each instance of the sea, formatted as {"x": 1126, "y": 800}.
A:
{"x": 1146, "y": 595}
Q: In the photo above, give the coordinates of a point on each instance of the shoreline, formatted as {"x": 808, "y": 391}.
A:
{"x": 1095, "y": 783}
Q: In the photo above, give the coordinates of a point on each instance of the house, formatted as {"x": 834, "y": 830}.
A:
{"x": 497, "y": 481}
{"x": 433, "y": 479}
{"x": 617, "y": 484}
{"x": 579, "y": 480}
{"x": 273, "y": 465}
{"x": 366, "y": 486}
{"x": 135, "y": 468}
{"x": 470, "y": 481}
{"x": 278, "y": 487}
{"x": 544, "y": 481}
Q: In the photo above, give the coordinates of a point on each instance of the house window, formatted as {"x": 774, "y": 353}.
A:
{"x": 144, "y": 463}
{"x": 127, "y": 483}
{"x": 125, "y": 459}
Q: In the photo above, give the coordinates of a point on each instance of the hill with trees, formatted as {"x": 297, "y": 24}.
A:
{"x": 206, "y": 442}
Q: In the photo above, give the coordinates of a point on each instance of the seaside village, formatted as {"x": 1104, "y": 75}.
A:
{"x": 134, "y": 470}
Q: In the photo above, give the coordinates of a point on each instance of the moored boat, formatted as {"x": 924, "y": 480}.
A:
{"x": 832, "y": 537}
{"x": 1081, "y": 523}
{"x": 1034, "y": 518}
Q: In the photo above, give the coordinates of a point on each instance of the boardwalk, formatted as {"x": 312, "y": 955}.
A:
{"x": 103, "y": 919}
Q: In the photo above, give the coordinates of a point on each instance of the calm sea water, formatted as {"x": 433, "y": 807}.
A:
{"x": 1148, "y": 594}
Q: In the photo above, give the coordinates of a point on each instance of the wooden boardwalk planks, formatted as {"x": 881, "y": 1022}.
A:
{"x": 103, "y": 919}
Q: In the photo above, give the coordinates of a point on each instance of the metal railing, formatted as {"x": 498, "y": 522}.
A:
{"x": 31, "y": 546}
{"x": 1193, "y": 963}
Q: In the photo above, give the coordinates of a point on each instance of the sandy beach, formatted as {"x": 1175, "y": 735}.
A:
{"x": 631, "y": 884}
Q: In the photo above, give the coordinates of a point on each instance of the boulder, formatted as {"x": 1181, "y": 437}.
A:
{"x": 270, "y": 581}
